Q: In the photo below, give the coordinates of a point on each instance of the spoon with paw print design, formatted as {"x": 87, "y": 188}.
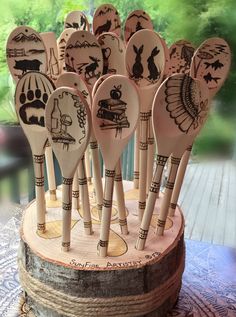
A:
{"x": 32, "y": 93}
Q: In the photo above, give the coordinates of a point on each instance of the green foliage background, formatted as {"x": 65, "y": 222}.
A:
{"x": 193, "y": 20}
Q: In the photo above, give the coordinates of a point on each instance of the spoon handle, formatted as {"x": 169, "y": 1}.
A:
{"x": 136, "y": 158}
{"x": 106, "y": 212}
{"x": 66, "y": 212}
{"x": 151, "y": 154}
{"x": 97, "y": 179}
{"x": 50, "y": 172}
{"x": 120, "y": 199}
{"x": 39, "y": 191}
{"x": 153, "y": 192}
{"x": 143, "y": 147}
{"x": 161, "y": 221}
{"x": 87, "y": 165}
{"x": 75, "y": 191}
{"x": 85, "y": 198}
{"x": 179, "y": 180}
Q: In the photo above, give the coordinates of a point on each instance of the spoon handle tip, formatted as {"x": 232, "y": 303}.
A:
{"x": 38, "y": 161}
{"x": 66, "y": 212}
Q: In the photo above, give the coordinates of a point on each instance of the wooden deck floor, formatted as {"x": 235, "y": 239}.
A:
{"x": 208, "y": 200}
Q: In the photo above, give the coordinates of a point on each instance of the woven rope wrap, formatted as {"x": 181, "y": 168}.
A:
{"x": 127, "y": 306}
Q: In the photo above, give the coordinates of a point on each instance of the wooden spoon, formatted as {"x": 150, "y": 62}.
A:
{"x": 61, "y": 43}
{"x": 211, "y": 63}
{"x": 137, "y": 20}
{"x": 181, "y": 53}
{"x": 212, "y": 52}
{"x": 178, "y": 110}
{"x": 84, "y": 56}
{"x": 145, "y": 63}
{"x": 106, "y": 19}
{"x": 68, "y": 122}
{"x": 50, "y": 42}
{"x": 115, "y": 113}
{"x": 113, "y": 50}
{"x": 75, "y": 81}
{"x": 25, "y": 52}
{"x": 119, "y": 189}
{"x": 76, "y": 20}
{"x": 32, "y": 93}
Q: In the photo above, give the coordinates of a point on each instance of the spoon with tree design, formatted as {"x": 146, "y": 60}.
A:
{"x": 68, "y": 122}
{"x": 73, "y": 80}
{"x": 114, "y": 119}
{"x": 145, "y": 63}
{"x": 32, "y": 93}
{"x": 137, "y": 20}
{"x": 179, "y": 107}
{"x": 212, "y": 59}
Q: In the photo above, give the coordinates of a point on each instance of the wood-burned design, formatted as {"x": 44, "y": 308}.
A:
{"x": 113, "y": 53}
{"x": 62, "y": 46}
{"x": 76, "y": 20}
{"x": 211, "y": 62}
{"x": 25, "y": 52}
{"x": 35, "y": 91}
{"x": 184, "y": 103}
{"x": 84, "y": 56}
{"x": 136, "y": 21}
{"x": 106, "y": 19}
{"x": 181, "y": 54}
{"x": 112, "y": 111}
{"x": 60, "y": 122}
{"x": 138, "y": 68}
{"x": 53, "y": 65}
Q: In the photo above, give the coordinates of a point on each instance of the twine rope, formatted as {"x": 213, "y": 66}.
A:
{"x": 123, "y": 306}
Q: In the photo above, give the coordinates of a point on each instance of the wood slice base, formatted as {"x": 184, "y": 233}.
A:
{"x": 80, "y": 283}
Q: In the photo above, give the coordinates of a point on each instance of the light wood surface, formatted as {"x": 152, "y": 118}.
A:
{"x": 50, "y": 173}
{"x": 211, "y": 63}
{"x": 106, "y": 19}
{"x": 84, "y": 248}
{"x": 85, "y": 198}
{"x": 50, "y": 42}
{"x": 83, "y": 55}
{"x": 113, "y": 50}
{"x": 113, "y": 134}
{"x": 173, "y": 128}
{"x": 75, "y": 191}
{"x": 145, "y": 63}
{"x": 32, "y": 93}
{"x": 136, "y": 21}
{"x": 76, "y": 20}
{"x": 120, "y": 198}
{"x": 181, "y": 53}
{"x": 68, "y": 122}
{"x": 61, "y": 43}
{"x": 25, "y": 52}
